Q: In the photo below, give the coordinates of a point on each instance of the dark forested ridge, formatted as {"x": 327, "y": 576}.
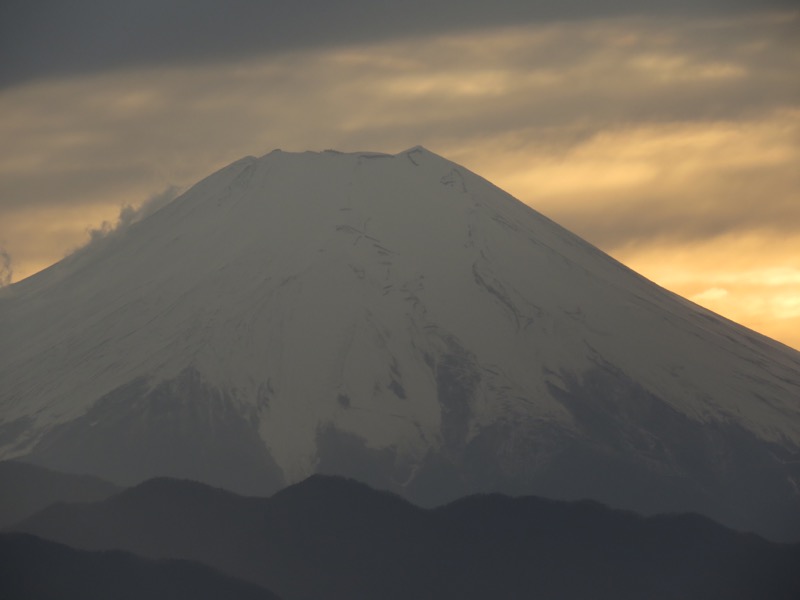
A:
{"x": 28, "y": 488}
{"x": 329, "y": 537}
{"x": 36, "y": 569}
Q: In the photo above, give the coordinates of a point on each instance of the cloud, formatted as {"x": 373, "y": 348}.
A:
{"x": 128, "y": 215}
{"x": 546, "y": 87}
{"x": 711, "y": 295}
{"x": 679, "y": 181}
{"x": 6, "y": 272}
{"x": 54, "y": 38}
{"x": 750, "y": 278}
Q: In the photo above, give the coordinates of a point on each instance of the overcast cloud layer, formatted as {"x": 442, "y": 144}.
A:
{"x": 670, "y": 140}
{"x": 40, "y": 38}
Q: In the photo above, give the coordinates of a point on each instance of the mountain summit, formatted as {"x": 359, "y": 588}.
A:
{"x": 400, "y": 320}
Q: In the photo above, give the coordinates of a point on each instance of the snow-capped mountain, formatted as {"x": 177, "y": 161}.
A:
{"x": 400, "y": 320}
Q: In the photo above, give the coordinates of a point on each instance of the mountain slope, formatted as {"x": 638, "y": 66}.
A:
{"x": 328, "y": 537}
{"x": 397, "y": 319}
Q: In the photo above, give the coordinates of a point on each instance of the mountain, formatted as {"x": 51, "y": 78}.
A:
{"x": 28, "y": 489}
{"x": 35, "y": 569}
{"x": 402, "y": 321}
{"x": 328, "y": 537}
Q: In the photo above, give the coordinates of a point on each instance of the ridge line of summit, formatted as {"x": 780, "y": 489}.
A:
{"x": 417, "y": 149}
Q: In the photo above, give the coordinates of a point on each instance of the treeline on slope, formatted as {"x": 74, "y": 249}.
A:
{"x": 329, "y": 537}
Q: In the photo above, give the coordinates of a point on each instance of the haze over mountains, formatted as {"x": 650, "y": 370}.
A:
{"x": 399, "y": 320}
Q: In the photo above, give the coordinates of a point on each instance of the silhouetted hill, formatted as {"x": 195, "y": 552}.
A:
{"x": 36, "y": 569}
{"x": 586, "y": 550}
{"x": 27, "y": 489}
{"x": 329, "y": 537}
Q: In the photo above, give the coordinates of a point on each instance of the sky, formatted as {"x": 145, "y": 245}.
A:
{"x": 667, "y": 134}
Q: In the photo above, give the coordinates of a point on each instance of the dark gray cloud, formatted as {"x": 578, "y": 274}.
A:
{"x": 40, "y": 38}
{"x": 549, "y": 88}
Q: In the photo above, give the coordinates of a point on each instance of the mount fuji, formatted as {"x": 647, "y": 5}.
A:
{"x": 402, "y": 321}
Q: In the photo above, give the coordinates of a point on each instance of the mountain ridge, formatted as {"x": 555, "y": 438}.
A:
{"x": 330, "y": 536}
{"x": 400, "y": 320}
{"x": 29, "y": 488}
{"x": 35, "y": 569}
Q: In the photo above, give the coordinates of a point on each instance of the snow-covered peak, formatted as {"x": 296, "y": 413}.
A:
{"x": 335, "y": 309}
